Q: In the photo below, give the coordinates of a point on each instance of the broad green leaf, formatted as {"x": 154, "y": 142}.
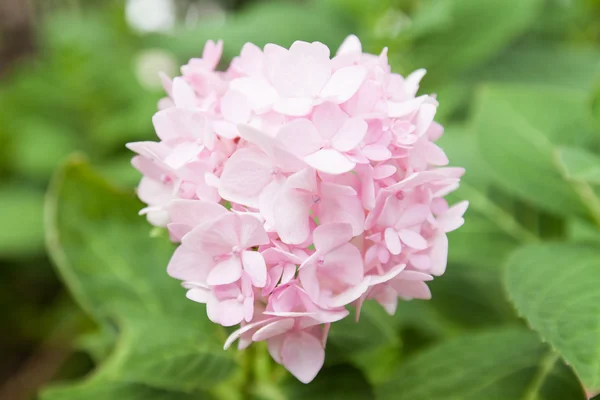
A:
{"x": 503, "y": 364}
{"x": 544, "y": 63}
{"x": 103, "y": 250}
{"x": 96, "y": 389}
{"x": 555, "y": 287}
{"x": 579, "y": 165}
{"x": 170, "y": 353}
{"x": 481, "y": 28}
{"x": 340, "y": 382}
{"x": 116, "y": 271}
{"x": 22, "y": 228}
{"x": 519, "y": 128}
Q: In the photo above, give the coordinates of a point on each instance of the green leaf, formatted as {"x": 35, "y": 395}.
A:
{"x": 482, "y": 28}
{"x": 579, "y": 165}
{"x": 95, "y": 389}
{"x": 103, "y": 249}
{"x": 518, "y": 135}
{"x": 555, "y": 287}
{"x": 170, "y": 353}
{"x": 503, "y": 364}
{"x": 22, "y": 228}
{"x": 116, "y": 271}
{"x": 340, "y": 382}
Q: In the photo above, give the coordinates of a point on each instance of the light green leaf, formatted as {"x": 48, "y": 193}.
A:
{"x": 482, "y": 28}
{"x": 103, "y": 249}
{"x": 96, "y": 389}
{"x": 341, "y": 382}
{"x": 170, "y": 353}
{"x": 518, "y": 135}
{"x": 116, "y": 271}
{"x": 503, "y": 364}
{"x": 579, "y": 165}
{"x": 555, "y": 287}
{"x": 22, "y": 228}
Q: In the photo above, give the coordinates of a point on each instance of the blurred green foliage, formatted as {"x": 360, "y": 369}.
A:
{"x": 519, "y": 88}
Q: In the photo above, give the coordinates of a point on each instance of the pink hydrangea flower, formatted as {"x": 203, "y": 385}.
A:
{"x": 298, "y": 185}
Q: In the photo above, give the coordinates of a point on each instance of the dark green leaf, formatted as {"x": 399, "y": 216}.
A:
{"x": 555, "y": 287}
{"x": 504, "y": 364}
{"x": 340, "y": 382}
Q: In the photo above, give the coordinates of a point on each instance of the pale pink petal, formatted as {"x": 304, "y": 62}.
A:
{"x": 291, "y": 210}
{"x": 420, "y": 261}
{"x": 413, "y": 290}
{"x": 350, "y": 135}
{"x": 224, "y": 272}
{"x": 217, "y": 238}
{"x": 439, "y": 254}
{"x": 245, "y": 174}
{"x": 392, "y": 241}
{"x": 303, "y": 355}
{"x": 231, "y": 312}
{"x": 199, "y": 295}
{"x": 225, "y": 129}
{"x": 326, "y": 237}
{"x": 388, "y": 298}
{"x": 274, "y": 345}
{"x": 425, "y": 118}
{"x": 300, "y": 137}
{"x": 434, "y": 155}
{"x": 411, "y": 83}
{"x": 254, "y": 265}
{"x": 329, "y": 161}
{"x": 183, "y": 95}
{"x": 260, "y": 94}
{"x": 294, "y": 106}
{"x": 246, "y": 328}
{"x": 235, "y": 107}
{"x": 252, "y": 232}
{"x": 344, "y": 83}
{"x": 376, "y": 152}
{"x": 412, "y": 239}
{"x": 383, "y": 171}
{"x": 389, "y": 275}
{"x": 350, "y": 295}
{"x": 328, "y": 118}
{"x": 189, "y": 265}
{"x": 350, "y": 45}
{"x": 194, "y": 212}
{"x": 273, "y": 329}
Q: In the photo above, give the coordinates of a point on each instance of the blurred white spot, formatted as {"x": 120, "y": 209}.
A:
{"x": 149, "y": 63}
{"x": 204, "y": 11}
{"x": 150, "y": 15}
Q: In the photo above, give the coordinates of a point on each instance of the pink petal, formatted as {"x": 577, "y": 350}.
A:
{"x": 294, "y": 106}
{"x": 402, "y": 109}
{"x": 183, "y": 94}
{"x": 411, "y": 83}
{"x": 225, "y": 129}
{"x": 303, "y": 355}
{"x": 291, "y": 210}
{"x": 328, "y": 118}
{"x": 273, "y": 329}
{"x": 245, "y": 174}
{"x": 329, "y": 236}
{"x": 329, "y": 161}
{"x": 189, "y": 265}
{"x": 231, "y": 312}
{"x": 246, "y": 328}
{"x": 254, "y": 265}
{"x": 434, "y": 155}
{"x": 388, "y": 298}
{"x": 350, "y": 45}
{"x": 425, "y": 118}
{"x": 376, "y": 152}
{"x": 252, "y": 232}
{"x": 439, "y": 254}
{"x": 412, "y": 239}
{"x": 300, "y": 136}
{"x": 260, "y": 94}
{"x": 383, "y": 171}
{"x": 199, "y": 295}
{"x": 392, "y": 241}
{"x": 225, "y": 272}
{"x": 350, "y": 135}
{"x": 274, "y": 345}
{"x": 194, "y": 212}
{"x": 420, "y": 261}
{"x": 350, "y": 295}
{"x": 235, "y": 107}
{"x": 216, "y": 238}
{"x": 344, "y": 83}
{"x": 391, "y": 274}
{"x": 413, "y": 290}
{"x": 303, "y": 71}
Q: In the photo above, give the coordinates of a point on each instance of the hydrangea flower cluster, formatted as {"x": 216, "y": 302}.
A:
{"x": 298, "y": 184}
